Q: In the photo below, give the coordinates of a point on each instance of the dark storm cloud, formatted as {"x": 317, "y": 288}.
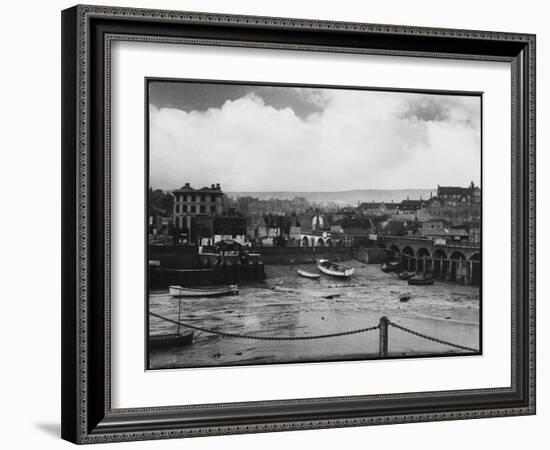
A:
{"x": 191, "y": 96}
{"x": 442, "y": 108}
{"x": 426, "y": 109}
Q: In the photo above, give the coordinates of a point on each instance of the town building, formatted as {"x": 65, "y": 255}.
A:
{"x": 459, "y": 196}
{"x": 318, "y": 222}
{"x": 474, "y": 231}
{"x": 410, "y": 206}
{"x": 377, "y": 208}
{"x": 433, "y": 224}
{"x": 190, "y": 203}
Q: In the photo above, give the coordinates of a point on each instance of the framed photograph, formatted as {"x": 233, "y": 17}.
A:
{"x": 278, "y": 224}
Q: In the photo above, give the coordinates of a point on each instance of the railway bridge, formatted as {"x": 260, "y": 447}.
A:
{"x": 315, "y": 239}
{"x": 453, "y": 261}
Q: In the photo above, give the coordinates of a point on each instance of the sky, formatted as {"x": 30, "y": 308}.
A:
{"x": 278, "y": 138}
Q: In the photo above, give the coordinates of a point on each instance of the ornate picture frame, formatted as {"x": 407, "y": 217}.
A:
{"x": 88, "y": 33}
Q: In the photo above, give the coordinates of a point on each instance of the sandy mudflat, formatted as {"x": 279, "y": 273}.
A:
{"x": 288, "y": 305}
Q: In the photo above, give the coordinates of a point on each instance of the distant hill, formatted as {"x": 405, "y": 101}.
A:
{"x": 343, "y": 198}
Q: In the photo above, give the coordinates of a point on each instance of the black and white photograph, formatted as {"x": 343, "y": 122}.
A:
{"x": 301, "y": 224}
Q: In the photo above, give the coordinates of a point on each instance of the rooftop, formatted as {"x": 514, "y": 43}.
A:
{"x": 215, "y": 188}
{"x": 411, "y": 203}
{"x": 452, "y": 190}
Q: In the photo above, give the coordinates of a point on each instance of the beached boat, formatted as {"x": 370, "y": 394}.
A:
{"x": 334, "y": 269}
{"x": 405, "y": 275}
{"x": 405, "y": 296}
{"x": 305, "y": 274}
{"x": 420, "y": 281}
{"x": 392, "y": 266}
{"x": 171, "y": 340}
{"x": 213, "y": 291}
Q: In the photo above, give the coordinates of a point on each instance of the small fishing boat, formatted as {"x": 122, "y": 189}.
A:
{"x": 214, "y": 291}
{"x": 420, "y": 281}
{"x": 405, "y": 296}
{"x": 392, "y": 266}
{"x": 405, "y": 275}
{"x": 305, "y": 274}
{"x": 334, "y": 269}
{"x": 171, "y": 340}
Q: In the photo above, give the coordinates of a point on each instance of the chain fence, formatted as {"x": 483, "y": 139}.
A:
{"x": 316, "y": 336}
{"x": 430, "y": 338}
{"x": 266, "y": 338}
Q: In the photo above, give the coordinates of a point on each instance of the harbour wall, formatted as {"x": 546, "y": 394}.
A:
{"x": 174, "y": 256}
{"x": 186, "y": 257}
{"x": 302, "y": 255}
{"x": 160, "y": 278}
{"x": 371, "y": 255}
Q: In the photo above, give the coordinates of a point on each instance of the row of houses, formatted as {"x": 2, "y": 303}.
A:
{"x": 447, "y": 196}
{"x": 200, "y": 214}
{"x": 268, "y": 230}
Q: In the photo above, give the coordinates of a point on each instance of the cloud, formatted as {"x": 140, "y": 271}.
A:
{"x": 189, "y": 96}
{"x": 435, "y": 108}
{"x": 353, "y": 140}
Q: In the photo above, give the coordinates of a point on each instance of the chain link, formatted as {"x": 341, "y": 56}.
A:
{"x": 429, "y": 338}
{"x": 266, "y": 338}
{"x": 318, "y": 336}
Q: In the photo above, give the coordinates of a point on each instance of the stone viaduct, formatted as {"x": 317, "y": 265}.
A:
{"x": 453, "y": 261}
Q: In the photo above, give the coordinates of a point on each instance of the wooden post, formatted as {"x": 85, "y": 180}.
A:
{"x": 384, "y": 321}
{"x": 179, "y": 314}
{"x": 460, "y": 278}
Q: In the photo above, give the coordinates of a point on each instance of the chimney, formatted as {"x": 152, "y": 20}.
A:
{"x": 187, "y": 185}
{"x": 218, "y": 186}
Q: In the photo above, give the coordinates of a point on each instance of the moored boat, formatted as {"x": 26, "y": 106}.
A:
{"x": 306, "y": 274}
{"x": 391, "y": 266}
{"x": 420, "y": 281}
{"x": 171, "y": 340}
{"x": 405, "y": 275}
{"x": 334, "y": 269}
{"x": 214, "y": 291}
{"x": 405, "y": 296}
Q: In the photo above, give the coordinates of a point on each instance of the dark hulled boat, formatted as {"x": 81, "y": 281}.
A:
{"x": 405, "y": 275}
{"x": 172, "y": 340}
{"x": 420, "y": 281}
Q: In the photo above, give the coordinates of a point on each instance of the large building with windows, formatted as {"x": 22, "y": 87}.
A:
{"x": 459, "y": 196}
{"x": 190, "y": 203}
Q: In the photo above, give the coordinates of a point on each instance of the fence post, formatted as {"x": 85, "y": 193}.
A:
{"x": 383, "y": 341}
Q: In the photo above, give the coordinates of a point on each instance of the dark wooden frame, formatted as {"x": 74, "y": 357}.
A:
{"x": 87, "y": 33}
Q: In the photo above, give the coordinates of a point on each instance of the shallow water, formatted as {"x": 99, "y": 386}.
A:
{"x": 288, "y": 305}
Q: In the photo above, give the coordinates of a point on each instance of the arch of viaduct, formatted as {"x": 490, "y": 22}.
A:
{"x": 459, "y": 262}
{"x": 314, "y": 240}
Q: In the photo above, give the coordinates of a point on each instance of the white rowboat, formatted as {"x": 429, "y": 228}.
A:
{"x": 305, "y": 274}
{"x": 334, "y": 269}
{"x": 214, "y": 291}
